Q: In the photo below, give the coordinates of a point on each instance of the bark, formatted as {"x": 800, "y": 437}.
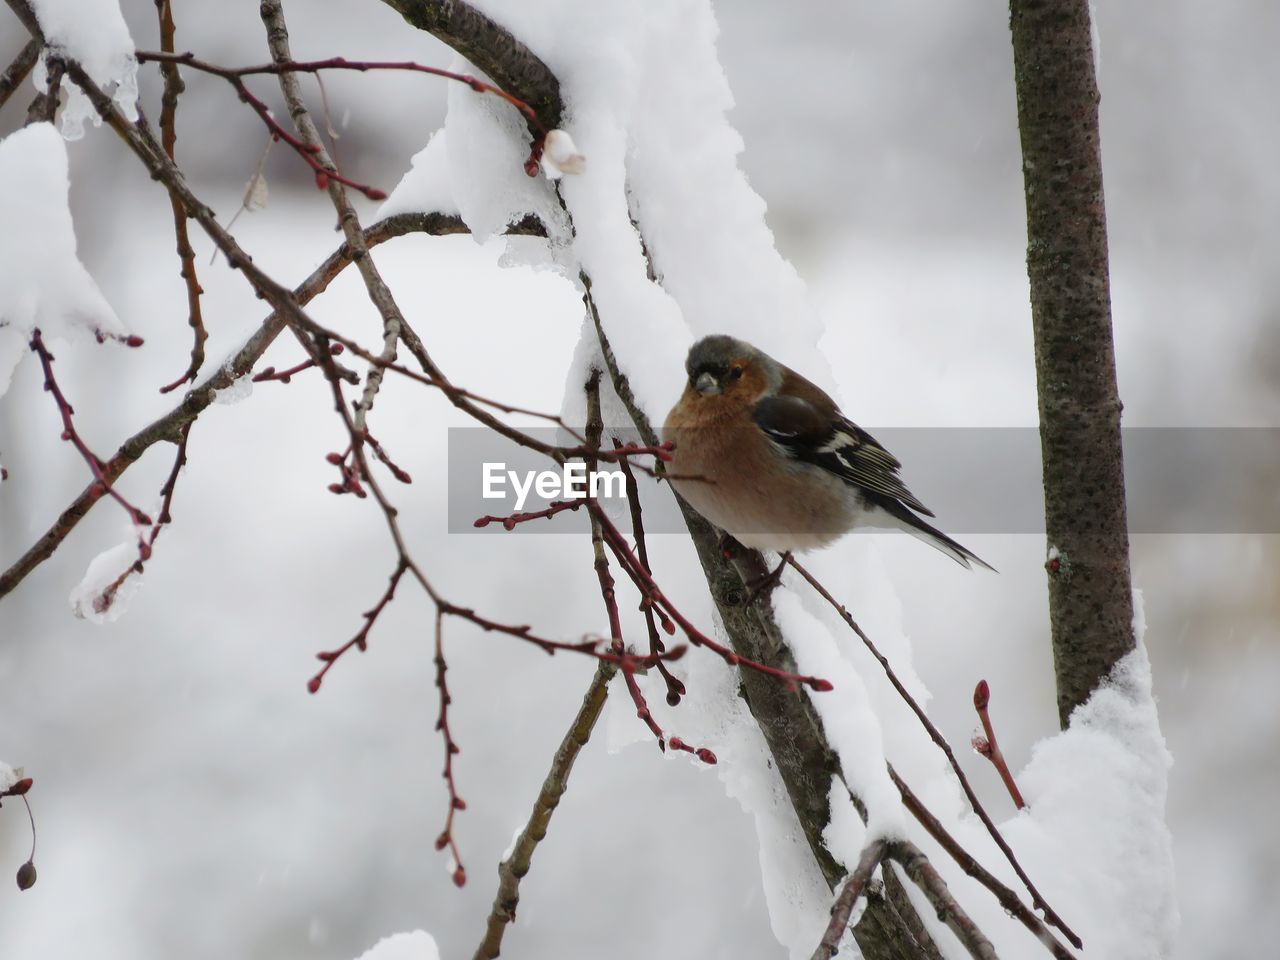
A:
{"x": 491, "y": 48}
{"x": 1090, "y": 598}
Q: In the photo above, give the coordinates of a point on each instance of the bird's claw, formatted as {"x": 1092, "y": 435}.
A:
{"x": 762, "y": 587}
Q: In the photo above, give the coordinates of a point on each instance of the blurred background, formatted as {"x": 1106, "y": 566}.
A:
{"x": 192, "y": 799}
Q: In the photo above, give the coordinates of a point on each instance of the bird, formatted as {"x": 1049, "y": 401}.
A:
{"x": 768, "y": 458}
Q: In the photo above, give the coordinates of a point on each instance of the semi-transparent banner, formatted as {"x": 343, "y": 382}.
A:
{"x": 975, "y": 480}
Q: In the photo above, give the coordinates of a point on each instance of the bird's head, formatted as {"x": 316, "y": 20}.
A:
{"x": 722, "y": 368}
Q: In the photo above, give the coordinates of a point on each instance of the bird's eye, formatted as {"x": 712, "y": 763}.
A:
{"x": 735, "y": 373}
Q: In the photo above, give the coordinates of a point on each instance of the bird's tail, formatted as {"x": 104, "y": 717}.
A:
{"x": 931, "y": 535}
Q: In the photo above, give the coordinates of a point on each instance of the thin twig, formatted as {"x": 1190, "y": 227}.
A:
{"x": 936, "y": 736}
{"x": 595, "y": 430}
{"x": 451, "y": 750}
{"x": 104, "y": 600}
{"x": 513, "y": 869}
{"x": 289, "y": 65}
{"x": 988, "y": 745}
{"x": 675, "y": 687}
{"x": 852, "y": 889}
{"x": 511, "y": 521}
{"x": 44, "y": 107}
{"x": 311, "y": 150}
{"x": 284, "y": 376}
{"x": 18, "y": 71}
{"x": 917, "y": 866}
{"x": 649, "y": 587}
{"x": 173, "y": 88}
{"x": 1009, "y": 900}
{"x": 69, "y": 432}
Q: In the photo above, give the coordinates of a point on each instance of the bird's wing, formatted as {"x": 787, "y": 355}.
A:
{"x": 835, "y": 444}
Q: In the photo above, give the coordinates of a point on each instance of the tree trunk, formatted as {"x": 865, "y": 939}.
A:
{"x": 1090, "y": 599}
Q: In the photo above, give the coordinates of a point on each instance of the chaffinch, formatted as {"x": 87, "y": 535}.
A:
{"x": 786, "y": 469}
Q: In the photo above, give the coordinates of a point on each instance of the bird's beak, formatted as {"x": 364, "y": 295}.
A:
{"x": 706, "y": 385}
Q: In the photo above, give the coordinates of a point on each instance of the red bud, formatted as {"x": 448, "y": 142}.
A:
{"x": 820, "y": 685}
{"x": 981, "y": 695}
{"x": 313, "y": 684}
{"x": 460, "y": 876}
{"x": 706, "y": 756}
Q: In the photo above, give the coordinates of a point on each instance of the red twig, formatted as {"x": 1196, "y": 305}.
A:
{"x": 96, "y": 466}
{"x": 988, "y": 747}
{"x": 623, "y": 451}
{"x": 590, "y": 647}
{"x": 103, "y": 601}
{"x": 352, "y": 468}
{"x": 510, "y": 522}
{"x": 645, "y": 714}
{"x": 173, "y": 88}
{"x": 609, "y": 592}
{"x": 349, "y": 465}
{"x": 381, "y": 454}
{"x": 339, "y": 63}
{"x": 361, "y": 640}
{"x": 649, "y": 587}
{"x": 451, "y": 750}
{"x": 675, "y": 687}
{"x": 284, "y": 376}
{"x": 235, "y": 76}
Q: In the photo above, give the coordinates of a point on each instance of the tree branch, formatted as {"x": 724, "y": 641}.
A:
{"x": 491, "y": 48}
{"x": 173, "y": 88}
{"x": 19, "y": 69}
{"x": 169, "y": 427}
{"x": 513, "y": 869}
{"x": 917, "y": 866}
{"x": 852, "y": 889}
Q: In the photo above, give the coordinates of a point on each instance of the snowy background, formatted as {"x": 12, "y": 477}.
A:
{"x": 192, "y": 799}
